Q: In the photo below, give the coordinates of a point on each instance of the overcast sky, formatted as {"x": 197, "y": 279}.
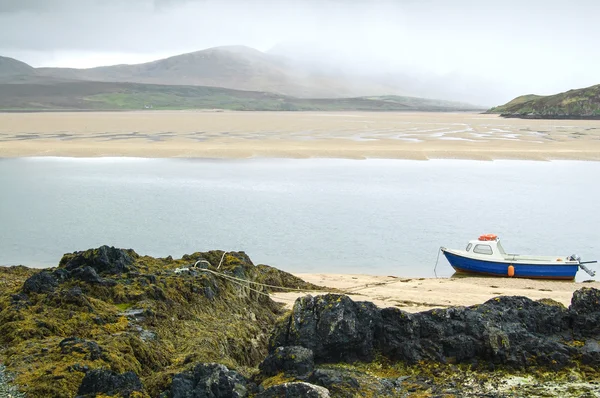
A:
{"x": 515, "y": 46}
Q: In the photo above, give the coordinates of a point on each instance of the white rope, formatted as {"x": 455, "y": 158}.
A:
{"x": 221, "y": 262}
{"x": 239, "y": 280}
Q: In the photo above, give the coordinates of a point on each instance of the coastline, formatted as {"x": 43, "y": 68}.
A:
{"x": 422, "y": 294}
{"x": 349, "y": 135}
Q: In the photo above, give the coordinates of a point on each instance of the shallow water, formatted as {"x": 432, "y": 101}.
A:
{"x": 384, "y": 217}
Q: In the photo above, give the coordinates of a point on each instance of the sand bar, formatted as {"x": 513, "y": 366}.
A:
{"x": 421, "y": 294}
{"x": 354, "y": 135}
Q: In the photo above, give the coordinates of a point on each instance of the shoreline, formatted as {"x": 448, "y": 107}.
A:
{"x": 344, "y": 135}
{"x": 423, "y": 294}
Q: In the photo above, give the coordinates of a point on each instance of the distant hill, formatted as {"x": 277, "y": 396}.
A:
{"x": 12, "y": 67}
{"x": 84, "y": 95}
{"x": 574, "y": 104}
{"x": 234, "y": 67}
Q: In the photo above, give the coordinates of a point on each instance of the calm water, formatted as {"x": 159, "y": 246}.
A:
{"x": 320, "y": 215}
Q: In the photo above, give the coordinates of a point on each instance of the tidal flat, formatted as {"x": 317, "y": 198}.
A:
{"x": 354, "y": 135}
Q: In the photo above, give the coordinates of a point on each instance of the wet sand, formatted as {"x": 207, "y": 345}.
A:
{"x": 354, "y": 135}
{"x": 421, "y": 294}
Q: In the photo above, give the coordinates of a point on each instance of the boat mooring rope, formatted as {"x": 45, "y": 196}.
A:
{"x": 246, "y": 283}
{"x": 436, "y": 262}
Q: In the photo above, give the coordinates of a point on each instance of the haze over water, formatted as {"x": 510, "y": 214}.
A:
{"x": 385, "y": 217}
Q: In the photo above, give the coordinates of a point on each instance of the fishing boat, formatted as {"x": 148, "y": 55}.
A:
{"x": 486, "y": 256}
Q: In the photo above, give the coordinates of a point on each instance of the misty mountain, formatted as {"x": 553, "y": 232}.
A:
{"x": 233, "y": 67}
{"x": 12, "y": 67}
{"x": 400, "y": 77}
{"x": 296, "y": 71}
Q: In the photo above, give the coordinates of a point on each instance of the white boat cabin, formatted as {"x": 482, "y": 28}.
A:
{"x": 488, "y": 247}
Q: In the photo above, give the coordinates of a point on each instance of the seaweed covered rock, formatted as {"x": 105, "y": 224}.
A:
{"x": 336, "y": 381}
{"x": 107, "y": 382}
{"x": 298, "y": 389}
{"x": 86, "y": 274}
{"x": 42, "y": 282}
{"x": 293, "y": 360}
{"x": 208, "y": 380}
{"x": 276, "y": 277}
{"x": 104, "y": 260}
{"x": 333, "y": 326}
{"x": 90, "y": 349}
{"x": 150, "y": 320}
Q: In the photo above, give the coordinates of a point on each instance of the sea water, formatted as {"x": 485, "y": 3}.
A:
{"x": 384, "y": 217}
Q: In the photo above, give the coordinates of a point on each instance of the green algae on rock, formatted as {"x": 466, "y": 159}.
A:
{"x": 110, "y": 322}
{"x": 113, "y": 309}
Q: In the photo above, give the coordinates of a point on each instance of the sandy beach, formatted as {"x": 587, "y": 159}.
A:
{"x": 422, "y": 294}
{"x": 354, "y": 135}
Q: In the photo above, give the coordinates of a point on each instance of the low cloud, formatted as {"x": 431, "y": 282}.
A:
{"x": 514, "y": 46}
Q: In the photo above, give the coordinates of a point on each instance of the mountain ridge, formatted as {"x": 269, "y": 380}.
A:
{"x": 233, "y": 67}
{"x": 108, "y": 96}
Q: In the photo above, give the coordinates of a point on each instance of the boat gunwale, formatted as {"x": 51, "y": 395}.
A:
{"x": 524, "y": 261}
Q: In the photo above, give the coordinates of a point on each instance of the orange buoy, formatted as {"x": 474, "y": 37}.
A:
{"x": 488, "y": 237}
{"x": 511, "y": 270}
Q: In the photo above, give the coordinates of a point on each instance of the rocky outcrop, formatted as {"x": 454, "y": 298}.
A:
{"x": 104, "y": 260}
{"x": 107, "y": 382}
{"x": 87, "y": 266}
{"x": 43, "y": 282}
{"x": 299, "y": 389}
{"x": 208, "y": 380}
{"x": 511, "y": 331}
{"x": 297, "y": 361}
{"x": 333, "y": 326}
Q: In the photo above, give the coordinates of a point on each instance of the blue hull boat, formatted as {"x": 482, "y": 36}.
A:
{"x": 486, "y": 256}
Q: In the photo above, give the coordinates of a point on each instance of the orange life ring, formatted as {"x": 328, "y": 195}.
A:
{"x": 488, "y": 237}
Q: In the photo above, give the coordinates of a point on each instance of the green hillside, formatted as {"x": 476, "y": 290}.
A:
{"x": 574, "y": 104}
{"x": 83, "y": 95}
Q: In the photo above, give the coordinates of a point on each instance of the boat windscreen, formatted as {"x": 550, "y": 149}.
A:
{"x": 501, "y": 249}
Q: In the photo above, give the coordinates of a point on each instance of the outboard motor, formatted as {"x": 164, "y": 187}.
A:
{"x": 574, "y": 257}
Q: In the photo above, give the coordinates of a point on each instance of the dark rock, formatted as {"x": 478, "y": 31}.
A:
{"x": 333, "y": 326}
{"x": 42, "y": 282}
{"x": 591, "y": 353}
{"x": 337, "y": 382}
{"x": 585, "y": 313}
{"x": 104, "y": 260}
{"x": 86, "y": 274}
{"x": 91, "y": 349}
{"x": 209, "y": 293}
{"x": 293, "y": 390}
{"x": 208, "y": 380}
{"x": 100, "y": 381}
{"x": 78, "y": 368}
{"x": 512, "y": 331}
{"x": 20, "y": 301}
{"x": 61, "y": 274}
{"x": 294, "y": 360}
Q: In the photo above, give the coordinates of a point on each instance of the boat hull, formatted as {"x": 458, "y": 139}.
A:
{"x": 521, "y": 270}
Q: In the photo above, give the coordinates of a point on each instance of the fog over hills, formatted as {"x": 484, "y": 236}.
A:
{"x": 479, "y": 52}
{"x": 244, "y": 68}
{"x": 282, "y": 70}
